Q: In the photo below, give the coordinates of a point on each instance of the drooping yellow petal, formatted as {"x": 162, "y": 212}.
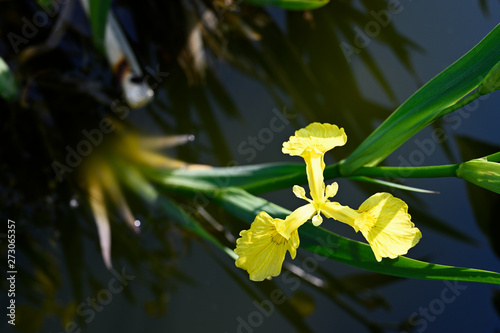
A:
{"x": 385, "y": 223}
{"x": 321, "y": 137}
{"x": 261, "y": 250}
{"x": 297, "y": 218}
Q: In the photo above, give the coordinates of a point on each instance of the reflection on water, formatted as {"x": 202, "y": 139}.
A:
{"x": 220, "y": 71}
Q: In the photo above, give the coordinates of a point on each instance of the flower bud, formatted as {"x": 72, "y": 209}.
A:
{"x": 482, "y": 173}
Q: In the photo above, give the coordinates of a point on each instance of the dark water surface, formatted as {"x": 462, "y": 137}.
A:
{"x": 295, "y": 74}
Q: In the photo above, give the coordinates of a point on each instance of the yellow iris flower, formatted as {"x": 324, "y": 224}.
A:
{"x": 311, "y": 143}
{"x": 261, "y": 250}
{"x": 383, "y": 219}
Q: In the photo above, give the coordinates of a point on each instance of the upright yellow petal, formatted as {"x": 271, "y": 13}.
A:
{"x": 385, "y": 223}
{"x": 311, "y": 143}
{"x": 331, "y": 190}
{"x": 314, "y": 170}
{"x": 321, "y": 137}
{"x": 261, "y": 250}
{"x": 300, "y": 193}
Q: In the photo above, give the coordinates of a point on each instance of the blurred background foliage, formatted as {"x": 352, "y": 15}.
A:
{"x": 64, "y": 85}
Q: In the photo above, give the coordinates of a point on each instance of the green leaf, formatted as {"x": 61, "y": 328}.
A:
{"x": 423, "y": 107}
{"x": 341, "y": 249}
{"x": 185, "y": 220}
{"x": 391, "y": 184}
{"x": 254, "y": 178}
{"x": 98, "y": 17}
{"x": 8, "y": 86}
{"x": 290, "y": 4}
{"x": 491, "y": 82}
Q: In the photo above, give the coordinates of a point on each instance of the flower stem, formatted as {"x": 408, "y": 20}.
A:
{"x": 333, "y": 171}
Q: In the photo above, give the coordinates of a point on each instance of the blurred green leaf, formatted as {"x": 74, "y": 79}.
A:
{"x": 341, "y": 249}
{"x": 182, "y": 218}
{"x": 426, "y": 219}
{"x": 483, "y": 4}
{"x": 8, "y": 86}
{"x": 98, "y": 17}
{"x": 290, "y": 4}
{"x": 423, "y": 107}
{"x": 367, "y": 280}
{"x": 303, "y": 302}
{"x": 260, "y": 177}
{"x": 138, "y": 184}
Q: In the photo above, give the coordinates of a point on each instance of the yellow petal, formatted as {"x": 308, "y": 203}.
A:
{"x": 294, "y": 243}
{"x": 261, "y": 250}
{"x": 321, "y": 137}
{"x": 300, "y": 192}
{"x": 385, "y": 223}
{"x": 110, "y": 183}
{"x": 314, "y": 169}
{"x": 331, "y": 190}
{"x": 336, "y": 211}
{"x": 317, "y": 219}
{"x": 297, "y": 218}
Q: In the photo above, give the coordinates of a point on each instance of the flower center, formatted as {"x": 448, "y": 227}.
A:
{"x": 277, "y": 238}
{"x": 366, "y": 221}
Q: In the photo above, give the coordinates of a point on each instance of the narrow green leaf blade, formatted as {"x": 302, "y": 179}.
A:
{"x": 393, "y": 185}
{"x": 360, "y": 255}
{"x": 338, "y": 248}
{"x": 185, "y": 220}
{"x": 423, "y": 107}
{"x": 254, "y": 178}
{"x": 98, "y": 17}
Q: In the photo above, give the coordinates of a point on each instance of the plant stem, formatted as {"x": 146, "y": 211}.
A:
{"x": 287, "y": 180}
{"x": 333, "y": 171}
